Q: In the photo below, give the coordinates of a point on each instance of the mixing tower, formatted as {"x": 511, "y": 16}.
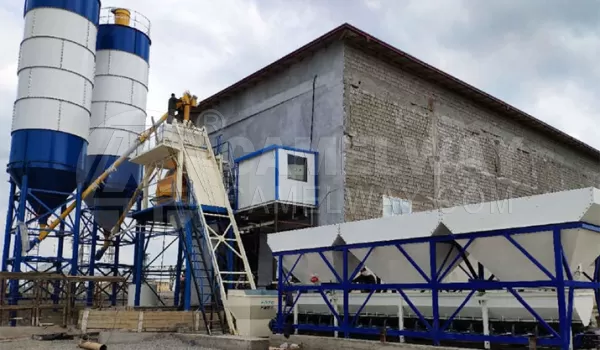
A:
{"x": 193, "y": 199}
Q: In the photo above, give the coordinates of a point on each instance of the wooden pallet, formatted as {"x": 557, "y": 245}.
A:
{"x": 140, "y": 321}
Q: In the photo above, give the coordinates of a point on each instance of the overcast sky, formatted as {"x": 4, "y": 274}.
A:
{"x": 538, "y": 55}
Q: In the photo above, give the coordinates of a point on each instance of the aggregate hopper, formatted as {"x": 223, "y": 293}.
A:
{"x": 388, "y": 262}
{"x": 308, "y": 266}
{"x": 506, "y": 261}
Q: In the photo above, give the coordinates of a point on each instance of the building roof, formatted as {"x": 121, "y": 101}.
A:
{"x": 385, "y": 51}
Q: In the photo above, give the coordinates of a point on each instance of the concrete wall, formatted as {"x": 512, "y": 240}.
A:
{"x": 409, "y": 138}
{"x": 278, "y": 111}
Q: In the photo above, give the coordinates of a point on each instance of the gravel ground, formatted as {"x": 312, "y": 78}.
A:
{"x": 167, "y": 343}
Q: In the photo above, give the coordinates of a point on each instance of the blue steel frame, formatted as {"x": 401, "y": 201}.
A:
{"x": 20, "y": 211}
{"x": 276, "y": 149}
{"x": 437, "y": 329}
{"x": 92, "y": 236}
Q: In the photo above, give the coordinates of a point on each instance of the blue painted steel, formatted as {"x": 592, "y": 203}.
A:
{"x": 115, "y": 270}
{"x": 187, "y": 288}
{"x": 8, "y": 225}
{"x": 123, "y": 38}
{"x": 277, "y": 174}
{"x": 138, "y": 265}
{"x": 89, "y": 9}
{"x": 271, "y": 148}
{"x": 53, "y": 162}
{"x": 434, "y": 283}
{"x": 76, "y": 231}
{"x": 316, "y": 179}
{"x": 435, "y": 330}
{"x": 59, "y": 255}
{"x": 596, "y": 277}
{"x": 111, "y": 199}
{"x": 92, "y": 266}
{"x": 178, "y": 266}
{"x": 565, "y": 329}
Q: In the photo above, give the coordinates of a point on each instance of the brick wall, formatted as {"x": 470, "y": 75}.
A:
{"x": 409, "y": 138}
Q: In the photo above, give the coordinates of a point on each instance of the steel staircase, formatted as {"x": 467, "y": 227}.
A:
{"x": 190, "y": 232}
{"x": 209, "y": 234}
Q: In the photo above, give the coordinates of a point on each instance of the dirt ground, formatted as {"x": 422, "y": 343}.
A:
{"x": 166, "y": 344}
{"x": 19, "y": 338}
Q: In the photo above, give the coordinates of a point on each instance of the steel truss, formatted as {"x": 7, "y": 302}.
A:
{"x": 437, "y": 329}
{"x": 95, "y": 262}
{"x": 22, "y": 230}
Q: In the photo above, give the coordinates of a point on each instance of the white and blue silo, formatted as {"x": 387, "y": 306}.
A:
{"x": 118, "y": 110}
{"x": 51, "y": 116}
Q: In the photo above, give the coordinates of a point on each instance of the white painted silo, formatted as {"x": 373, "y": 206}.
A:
{"x": 118, "y": 109}
{"x": 51, "y": 114}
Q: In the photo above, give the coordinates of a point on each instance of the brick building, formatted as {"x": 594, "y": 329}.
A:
{"x": 390, "y": 128}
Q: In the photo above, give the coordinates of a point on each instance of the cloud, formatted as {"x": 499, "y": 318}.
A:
{"x": 537, "y": 55}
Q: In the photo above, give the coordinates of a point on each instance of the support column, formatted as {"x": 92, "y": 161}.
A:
{"x": 59, "y": 255}
{"x": 115, "y": 286}
{"x": 8, "y": 227}
{"x": 76, "y": 230}
{"x": 486, "y": 322}
{"x": 177, "y": 287}
{"x": 346, "y": 284}
{"x": 435, "y": 324}
{"x": 139, "y": 264}
{"x": 564, "y": 323}
{"x": 18, "y": 248}
{"x": 92, "y": 265}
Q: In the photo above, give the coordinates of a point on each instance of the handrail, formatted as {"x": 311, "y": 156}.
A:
{"x": 45, "y": 230}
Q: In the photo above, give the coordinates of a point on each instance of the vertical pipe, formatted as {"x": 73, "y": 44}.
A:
{"x": 115, "y": 286}
{"x": 8, "y": 226}
{"x": 76, "y": 225}
{"x": 345, "y": 286}
{"x": 564, "y": 323}
{"x": 139, "y": 264}
{"x": 178, "y": 272}
{"x": 92, "y": 268}
{"x": 486, "y": 321}
{"x": 280, "y": 277}
{"x": 434, "y": 294}
{"x": 401, "y": 318}
{"x": 59, "y": 255}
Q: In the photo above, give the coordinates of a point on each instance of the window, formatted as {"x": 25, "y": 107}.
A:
{"x": 297, "y": 168}
{"x": 393, "y": 206}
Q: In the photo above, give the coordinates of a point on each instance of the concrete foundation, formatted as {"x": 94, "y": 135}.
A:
{"x": 326, "y": 343}
{"x": 205, "y": 341}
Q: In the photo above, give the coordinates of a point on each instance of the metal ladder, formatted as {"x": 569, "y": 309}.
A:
{"x": 188, "y": 225}
{"x": 219, "y": 239}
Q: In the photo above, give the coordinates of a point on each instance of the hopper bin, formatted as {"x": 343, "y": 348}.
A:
{"x": 504, "y": 259}
{"x": 388, "y": 262}
{"x": 312, "y": 264}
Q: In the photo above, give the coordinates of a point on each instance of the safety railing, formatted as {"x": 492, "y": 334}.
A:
{"x": 123, "y": 16}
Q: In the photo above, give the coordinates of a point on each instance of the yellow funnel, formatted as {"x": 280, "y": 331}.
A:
{"x": 122, "y": 16}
